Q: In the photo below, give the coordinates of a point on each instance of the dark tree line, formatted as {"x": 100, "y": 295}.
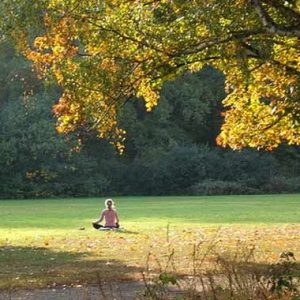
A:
{"x": 171, "y": 150}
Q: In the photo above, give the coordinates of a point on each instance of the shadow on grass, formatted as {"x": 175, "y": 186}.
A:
{"x": 122, "y": 231}
{"x": 31, "y": 267}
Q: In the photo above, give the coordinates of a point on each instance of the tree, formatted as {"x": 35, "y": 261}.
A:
{"x": 34, "y": 159}
{"x": 16, "y": 78}
{"x": 188, "y": 113}
{"x": 102, "y": 53}
{"x": 37, "y": 162}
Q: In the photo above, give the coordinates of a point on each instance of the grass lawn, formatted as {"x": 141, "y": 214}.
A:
{"x": 41, "y": 244}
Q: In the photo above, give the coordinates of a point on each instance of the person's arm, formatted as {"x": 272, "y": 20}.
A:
{"x": 100, "y": 219}
{"x": 117, "y": 218}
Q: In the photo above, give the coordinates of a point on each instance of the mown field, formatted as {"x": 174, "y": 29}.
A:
{"x": 41, "y": 243}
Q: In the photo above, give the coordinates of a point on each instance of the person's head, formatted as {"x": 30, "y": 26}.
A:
{"x": 109, "y": 203}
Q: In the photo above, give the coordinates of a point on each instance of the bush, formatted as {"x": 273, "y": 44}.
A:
{"x": 234, "y": 275}
{"x": 280, "y": 184}
{"x": 175, "y": 171}
{"x": 218, "y": 187}
{"x": 249, "y": 165}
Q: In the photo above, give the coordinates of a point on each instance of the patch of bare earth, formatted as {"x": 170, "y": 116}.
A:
{"x": 104, "y": 291}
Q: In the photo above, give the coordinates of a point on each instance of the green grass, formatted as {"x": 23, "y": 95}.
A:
{"x": 40, "y": 240}
{"x": 67, "y": 213}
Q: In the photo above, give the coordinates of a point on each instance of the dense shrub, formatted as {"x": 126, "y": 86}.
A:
{"x": 280, "y": 184}
{"x": 178, "y": 169}
{"x": 248, "y": 165}
{"x": 197, "y": 170}
{"x": 37, "y": 162}
{"x": 218, "y": 187}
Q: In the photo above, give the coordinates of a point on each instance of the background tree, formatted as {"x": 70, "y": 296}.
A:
{"x": 189, "y": 112}
{"x": 35, "y": 161}
{"x": 103, "y": 53}
{"x": 169, "y": 151}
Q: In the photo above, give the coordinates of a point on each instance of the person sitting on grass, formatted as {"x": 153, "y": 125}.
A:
{"x": 110, "y": 215}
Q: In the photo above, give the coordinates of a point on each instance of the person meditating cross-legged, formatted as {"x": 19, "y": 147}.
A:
{"x": 109, "y": 214}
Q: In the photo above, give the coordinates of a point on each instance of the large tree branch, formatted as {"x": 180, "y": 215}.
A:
{"x": 215, "y": 41}
{"x": 291, "y": 14}
{"x": 117, "y": 32}
{"x": 269, "y": 24}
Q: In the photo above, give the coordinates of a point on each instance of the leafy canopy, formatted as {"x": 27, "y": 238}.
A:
{"x": 102, "y": 53}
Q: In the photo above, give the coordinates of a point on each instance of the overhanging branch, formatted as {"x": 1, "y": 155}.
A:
{"x": 269, "y": 24}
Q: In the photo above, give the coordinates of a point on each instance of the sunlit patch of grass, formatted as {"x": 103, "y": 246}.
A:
{"x": 41, "y": 244}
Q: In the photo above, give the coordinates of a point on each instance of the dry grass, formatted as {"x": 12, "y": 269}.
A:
{"x": 77, "y": 258}
{"x": 235, "y": 275}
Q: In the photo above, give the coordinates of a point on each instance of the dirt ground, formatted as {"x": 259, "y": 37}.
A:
{"x": 111, "y": 291}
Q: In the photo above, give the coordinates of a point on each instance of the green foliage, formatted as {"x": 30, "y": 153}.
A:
{"x": 101, "y": 53}
{"x": 36, "y": 161}
{"x": 218, "y": 187}
{"x": 189, "y": 112}
{"x": 169, "y": 151}
{"x": 166, "y": 278}
{"x": 202, "y": 170}
{"x": 281, "y": 184}
{"x": 172, "y": 172}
